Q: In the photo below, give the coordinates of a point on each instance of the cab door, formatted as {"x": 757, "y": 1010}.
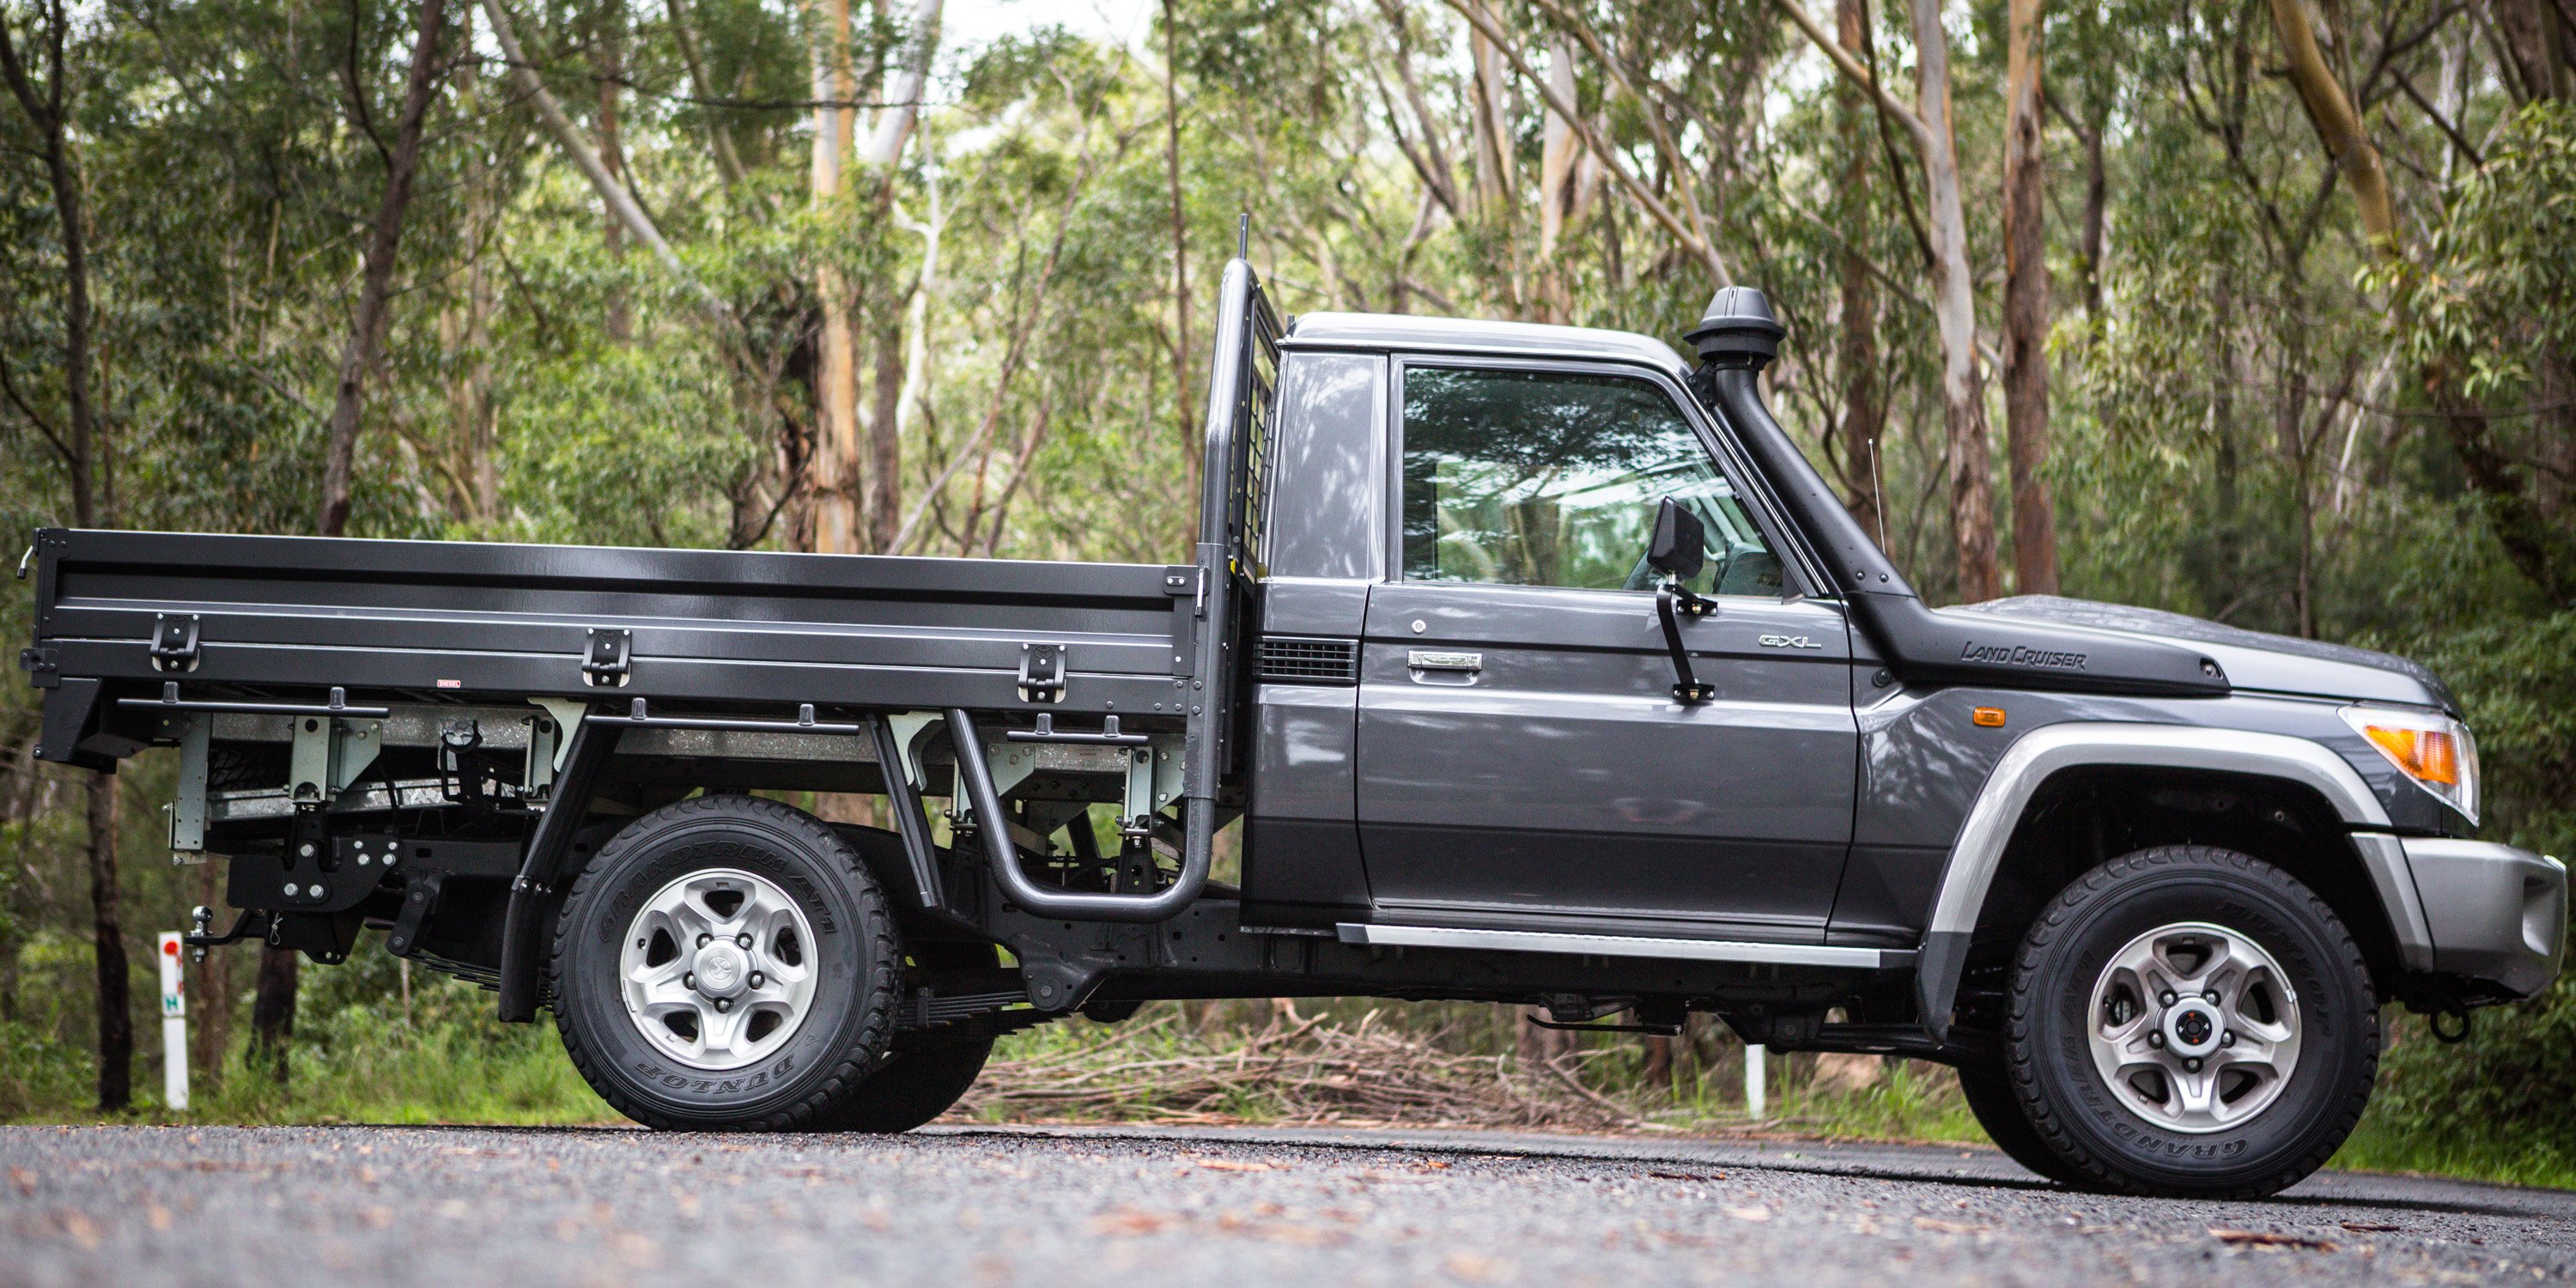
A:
{"x": 1522, "y": 759}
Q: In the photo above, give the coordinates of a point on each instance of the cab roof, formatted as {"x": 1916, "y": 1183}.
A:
{"x": 1404, "y": 332}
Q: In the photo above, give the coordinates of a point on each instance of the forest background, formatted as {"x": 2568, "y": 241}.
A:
{"x": 2261, "y": 310}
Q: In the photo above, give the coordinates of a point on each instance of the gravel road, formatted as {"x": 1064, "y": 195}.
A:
{"x": 1131, "y": 1207}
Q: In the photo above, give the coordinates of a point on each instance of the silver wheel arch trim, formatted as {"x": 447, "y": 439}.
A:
{"x": 2040, "y": 754}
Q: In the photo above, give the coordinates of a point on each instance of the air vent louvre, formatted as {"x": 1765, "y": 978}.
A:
{"x": 1300, "y": 661}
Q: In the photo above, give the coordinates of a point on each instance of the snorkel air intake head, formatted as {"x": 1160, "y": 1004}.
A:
{"x": 1738, "y": 330}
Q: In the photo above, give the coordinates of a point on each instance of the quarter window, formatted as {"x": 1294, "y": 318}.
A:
{"x": 1550, "y": 478}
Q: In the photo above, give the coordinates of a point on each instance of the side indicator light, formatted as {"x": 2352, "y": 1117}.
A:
{"x": 1988, "y": 717}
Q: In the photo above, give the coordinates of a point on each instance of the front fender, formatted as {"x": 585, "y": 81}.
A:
{"x": 2042, "y": 753}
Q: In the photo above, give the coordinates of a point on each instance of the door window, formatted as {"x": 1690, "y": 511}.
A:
{"x": 1550, "y": 478}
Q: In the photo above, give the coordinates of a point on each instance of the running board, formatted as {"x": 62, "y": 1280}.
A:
{"x": 1705, "y": 950}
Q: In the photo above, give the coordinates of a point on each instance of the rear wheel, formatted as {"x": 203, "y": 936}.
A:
{"x": 725, "y": 962}
{"x": 2191, "y": 1022}
{"x": 928, "y": 1071}
{"x": 910, "y": 1088}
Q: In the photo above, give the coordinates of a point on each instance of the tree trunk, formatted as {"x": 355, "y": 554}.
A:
{"x": 1963, "y": 408}
{"x": 2025, "y": 339}
{"x": 2338, "y": 126}
{"x": 1557, "y": 150}
{"x": 272, "y": 1009}
{"x": 894, "y": 128}
{"x": 885, "y": 440}
{"x": 611, "y": 53}
{"x": 2536, "y": 36}
{"x": 210, "y": 995}
{"x": 79, "y": 450}
{"x": 47, "y": 113}
{"x": 1182, "y": 338}
{"x": 1856, "y": 357}
{"x": 1489, "y": 120}
{"x": 837, "y": 526}
{"x": 107, "y": 935}
{"x": 367, "y": 326}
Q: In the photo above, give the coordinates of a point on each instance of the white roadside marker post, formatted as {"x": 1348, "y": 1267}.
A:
{"x": 1753, "y": 1080}
{"x": 174, "y": 1027}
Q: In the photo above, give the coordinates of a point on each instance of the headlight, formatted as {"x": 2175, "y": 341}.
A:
{"x": 2434, "y": 750}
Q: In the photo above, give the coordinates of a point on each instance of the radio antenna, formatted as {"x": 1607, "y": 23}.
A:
{"x": 1243, "y": 236}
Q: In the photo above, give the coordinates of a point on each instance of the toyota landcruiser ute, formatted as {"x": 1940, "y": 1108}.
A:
{"x": 1526, "y": 664}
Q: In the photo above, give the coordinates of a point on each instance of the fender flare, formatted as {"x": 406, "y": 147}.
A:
{"x": 2039, "y": 755}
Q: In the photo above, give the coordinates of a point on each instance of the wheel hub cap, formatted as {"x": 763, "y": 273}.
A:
{"x": 2194, "y": 1027}
{"x": 717, "y": 969}
{"x": 721, "y": 970}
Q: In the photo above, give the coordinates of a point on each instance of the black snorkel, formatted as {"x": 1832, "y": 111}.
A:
{"x": 1735, "y": 339}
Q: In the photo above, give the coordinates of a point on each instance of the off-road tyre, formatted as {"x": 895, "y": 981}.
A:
{"x": 847, "y": 1027}
{"x": 2107, "y": 1145}
{"x": 1990, "y": 1097}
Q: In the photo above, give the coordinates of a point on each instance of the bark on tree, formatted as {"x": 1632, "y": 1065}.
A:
{"x": 48, "y": 111}
{"x": 2338, "y": 126}
{"x": 1863, "y": 426}
{"x": 1963, "y": 404}
{"x": 885, "y": 438}
{"x": 611, "y": 52}
{"x": 2025, "y": 338}
{"x": 375, "y": 289}
{"x": 107, "y": 930}
{"x": 1558, "y": 149}
{"x": 1182, "y": 338}
{"x": 838, "y": 473}
{"x": 210, "y": 995}
{"x": 1489, "y": 113}
{"x": 2096, "y": 207}
{"x": 2535, "y": 35}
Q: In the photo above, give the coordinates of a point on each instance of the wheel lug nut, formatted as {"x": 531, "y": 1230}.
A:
{"x": 2156, "y": 1040}
{"x": 742, "y": 941}
{"x": 2227, "y": 1038}
{"x": 758, "y": 979}
{"x": 2167, "y": 999}
{"x": 705, "y": 939}
{"x": 2191, "y": 1066}
{"x": 724, "y": 1004}
{"x": 689, "y": 981}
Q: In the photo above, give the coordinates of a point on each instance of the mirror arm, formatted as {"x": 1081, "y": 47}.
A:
{"x": 1673, "y": 602}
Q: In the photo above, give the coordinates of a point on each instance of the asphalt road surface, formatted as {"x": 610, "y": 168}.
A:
{"x": 1133, "y": 1207}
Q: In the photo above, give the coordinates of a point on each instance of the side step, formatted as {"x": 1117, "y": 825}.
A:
{"x": 1706, "y": 950}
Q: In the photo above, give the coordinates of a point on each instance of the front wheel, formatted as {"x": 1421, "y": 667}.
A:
{"x": 2190, "y": 1022}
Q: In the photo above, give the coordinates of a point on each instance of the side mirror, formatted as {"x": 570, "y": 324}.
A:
{"x": 1680, "y": 543}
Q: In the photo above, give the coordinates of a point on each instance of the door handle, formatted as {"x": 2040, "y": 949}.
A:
{"x": 1423, "y": 659}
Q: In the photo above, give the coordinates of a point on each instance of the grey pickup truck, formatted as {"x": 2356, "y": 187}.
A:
{"x": 1513, "y": 663}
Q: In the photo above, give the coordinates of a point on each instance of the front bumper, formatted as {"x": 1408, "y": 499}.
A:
{"x": 2498, "y": 915}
